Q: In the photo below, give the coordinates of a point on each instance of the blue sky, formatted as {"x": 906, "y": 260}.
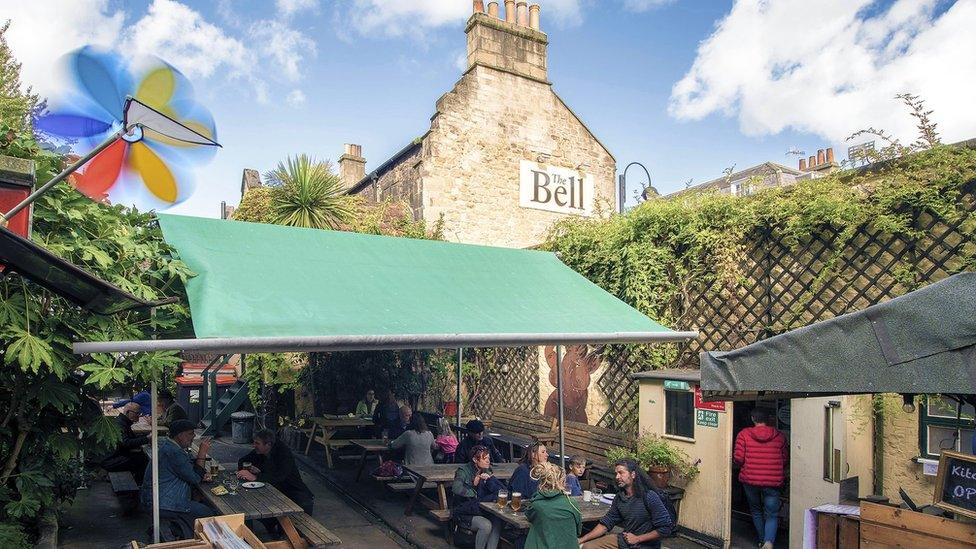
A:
{"x": 687, "y": 87}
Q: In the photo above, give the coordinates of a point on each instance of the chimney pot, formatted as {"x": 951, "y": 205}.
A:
{"x": 803, "y": 164}
{"x": 820, "y": 157}
{"x": 510, "y": 11}
{"x": 353, "y": 149}
{"x": 830, "y": 155}
{"x": 352, "y": 165}
{"x": 479, "y": 6}
{"x": 493, "y": 9}
{"x": 534, "y": 16}
{"x": 523, "y": 13}
{"x": 811, "y": 162}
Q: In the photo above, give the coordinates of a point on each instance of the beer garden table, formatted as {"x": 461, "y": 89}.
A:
{"x": 590, "y": 512}
{"x": 254, "y": 503}
{"x": 330, "y": 425}
{"x": 372, "y": 445}
{"x": 442, "y": 474}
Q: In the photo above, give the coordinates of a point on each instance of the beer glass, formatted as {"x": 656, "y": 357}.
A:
{"x": 502, "y": 499}
{"x": 516, "y": 501}
{"x": 214, "y": 468}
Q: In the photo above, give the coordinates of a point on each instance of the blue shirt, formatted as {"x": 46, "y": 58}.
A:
{"x": 177, "y": 475}
{"x": 631, "y": 514}
{"x": 523, "y": 483}
{"x": 573, "y": 485}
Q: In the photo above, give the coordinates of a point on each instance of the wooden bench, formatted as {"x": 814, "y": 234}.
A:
{"x": 523, "y": 426}
{"x": 314, "y": 533}
{"x": 591, "y": 443}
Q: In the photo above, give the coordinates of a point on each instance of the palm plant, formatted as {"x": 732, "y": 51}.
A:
{"x": 308, "y": 194}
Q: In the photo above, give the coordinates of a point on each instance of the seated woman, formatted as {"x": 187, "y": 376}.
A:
{"x": 577, "y": 466}
{"x": 522, "y": 480}
{"x": 417, "y": 442}
{"x": 367, "y": 406}
{"x": 474, "y": 483}
{"x": 555, "y": 520}
{"x": 446, "y": 442}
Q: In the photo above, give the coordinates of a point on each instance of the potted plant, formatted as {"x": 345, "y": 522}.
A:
{"x": 661, "y": 459}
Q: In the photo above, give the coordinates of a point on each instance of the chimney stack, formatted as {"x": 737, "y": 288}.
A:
{"x": 534, "y": 16}
{"x": 522, "y": 8}
{"x": 830, "y": 155}
{"x": 510, "y": 11}
{"x": 352, "y": 165}
{"x": 812, "y": 162}
{"x": 250, "y": 179}
{"x": 493, "y": 9}
{"x": 820, "y": 157}
{"x": 478, "y": 6}
{"x": 803, "y": 164}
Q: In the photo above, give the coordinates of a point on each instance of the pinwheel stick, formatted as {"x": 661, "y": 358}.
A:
{"x": 60, "y": 177}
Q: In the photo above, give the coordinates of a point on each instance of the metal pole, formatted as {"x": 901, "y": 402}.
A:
{"x": 155, "y": 464}
{"x": 559, "y": 400}
{"x": 60, "y": 177}
{"x": 457, "y": 408}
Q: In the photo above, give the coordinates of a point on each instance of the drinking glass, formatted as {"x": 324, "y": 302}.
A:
{"x": 516, "y": 501}
{"x": 502, "y": 500}
{"x": 232, "y": 486}
{"x": 596, "y": 495}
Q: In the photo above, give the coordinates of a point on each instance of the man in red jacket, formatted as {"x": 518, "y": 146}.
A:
{"x": 762, "y": 452}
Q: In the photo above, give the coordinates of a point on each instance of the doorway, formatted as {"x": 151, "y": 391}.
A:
{"x": 743, "y": 531}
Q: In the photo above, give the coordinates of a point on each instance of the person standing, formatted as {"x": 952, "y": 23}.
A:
{"x": 522, "y": 480}
{"x": 762, "y": 452}
{"x": 555, "y": 520}
{"x": 417, "y": 443}
{"x": 637, "y": 508}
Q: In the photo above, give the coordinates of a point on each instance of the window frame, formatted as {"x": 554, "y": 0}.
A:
{"x": 690, "y": 393}
{"x": 925, "y": 421}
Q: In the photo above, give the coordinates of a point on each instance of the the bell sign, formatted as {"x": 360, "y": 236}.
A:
{"x": 562, "y": 190}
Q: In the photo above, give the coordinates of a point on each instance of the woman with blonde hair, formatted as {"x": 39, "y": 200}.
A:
{"x": 555, "y": 520}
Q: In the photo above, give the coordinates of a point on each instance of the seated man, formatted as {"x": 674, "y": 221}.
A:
{"x": 637, "y": 508}
{"x": 397, "y": 428}
{"x": 169, "y": 409}
{"x": 178, "y": 473}
{"x": 128, "y": 455}
{"x": 272, "y": 462}
{"x": 476, "y": 437}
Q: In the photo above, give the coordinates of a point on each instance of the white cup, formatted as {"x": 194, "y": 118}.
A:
{"x": 587, "y": 495}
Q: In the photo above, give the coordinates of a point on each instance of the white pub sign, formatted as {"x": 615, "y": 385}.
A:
{"x": 561, "y": 190}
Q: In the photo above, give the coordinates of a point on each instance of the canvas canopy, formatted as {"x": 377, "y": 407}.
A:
{"x": 266, "y": 288}
{"x": 923, "y": 342}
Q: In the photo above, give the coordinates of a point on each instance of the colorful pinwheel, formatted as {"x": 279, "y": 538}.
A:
{"x": 148, "y": 128}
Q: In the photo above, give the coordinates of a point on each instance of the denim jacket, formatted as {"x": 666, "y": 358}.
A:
{"x": 177, "y": 475}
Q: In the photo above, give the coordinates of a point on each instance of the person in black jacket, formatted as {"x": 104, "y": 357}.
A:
{"x": 128, "y": 455}
{"x": 476, "y": 437}
{"x": 273, "y": 463}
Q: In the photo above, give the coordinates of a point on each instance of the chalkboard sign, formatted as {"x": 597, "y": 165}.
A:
{"x": 955, "y": 486}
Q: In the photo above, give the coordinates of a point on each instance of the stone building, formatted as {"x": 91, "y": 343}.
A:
{"x": 504, "y": 156}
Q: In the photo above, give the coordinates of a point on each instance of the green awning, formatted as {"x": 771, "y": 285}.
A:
{"x": 923, "y": 342}
{"x": 264, "y": 287}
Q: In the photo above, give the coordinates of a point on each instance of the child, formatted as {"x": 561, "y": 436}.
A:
{"x": 577, "y": 466}
{"x": 445, "y": 441}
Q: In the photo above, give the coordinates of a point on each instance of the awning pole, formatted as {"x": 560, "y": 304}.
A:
{"x": 559, "y": 400}
{"x": 457, "y": 400}
{"x": 155, "y": 463}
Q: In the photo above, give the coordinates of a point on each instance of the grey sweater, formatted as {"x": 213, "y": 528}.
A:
{"x": 417, "y": 447}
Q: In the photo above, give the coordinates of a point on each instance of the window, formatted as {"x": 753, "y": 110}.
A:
{"x": 679, "y": 412}
{"x": 940, "y": 430}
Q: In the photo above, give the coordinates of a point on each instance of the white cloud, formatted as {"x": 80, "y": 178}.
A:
{"x": 645, "y": 5}
{"x": 41, "y": 32}
{"x": 288, "y": 8}
{"x": 461, "y": 61}
{"x": 286, "y": 47}
{"x": 296, "y": 98}
{"x": 775, "y": 65}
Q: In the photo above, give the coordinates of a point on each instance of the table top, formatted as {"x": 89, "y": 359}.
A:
{"x": 256, "y": 503}
{"x": 370, "y": 444}
{"x": 508, "y": 439}
{"x": 591, "y": 511}
{"x": 444, "y": 472}
{"x": 145, "y": 428}
{"x": 343, "y": 421}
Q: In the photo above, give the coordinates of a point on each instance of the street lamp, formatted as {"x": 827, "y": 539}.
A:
{"x": 622, "y": 187}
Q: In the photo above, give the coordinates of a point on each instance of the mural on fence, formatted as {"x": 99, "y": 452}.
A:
{"x": 578, "y": 365}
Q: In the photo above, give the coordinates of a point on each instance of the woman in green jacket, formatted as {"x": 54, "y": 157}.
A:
{"x": 555, "y": 520}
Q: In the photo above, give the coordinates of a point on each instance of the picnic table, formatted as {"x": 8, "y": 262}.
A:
{"x": 442, "y": 474}
{"x": 141, "y": 428}
{"x": 511, "y": 442}
{"x": 368, "y": 446}
{"x": 258, "y": 503}
{"x": 591, "y": 511}
{"x": 329, "y": 426}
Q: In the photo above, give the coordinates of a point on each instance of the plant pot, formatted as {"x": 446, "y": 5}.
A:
{"x": 660, "y": 476}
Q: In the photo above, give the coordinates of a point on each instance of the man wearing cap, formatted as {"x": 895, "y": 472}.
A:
{"x": 476, "y": 436}
{"x": 128, "y": 455}
{"x": 178, "y": 473}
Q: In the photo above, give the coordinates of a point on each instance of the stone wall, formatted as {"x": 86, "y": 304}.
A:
{"x": 401, "y": 182}
{"x": 900, "y": 447}
{"x": 482, "y": 129}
